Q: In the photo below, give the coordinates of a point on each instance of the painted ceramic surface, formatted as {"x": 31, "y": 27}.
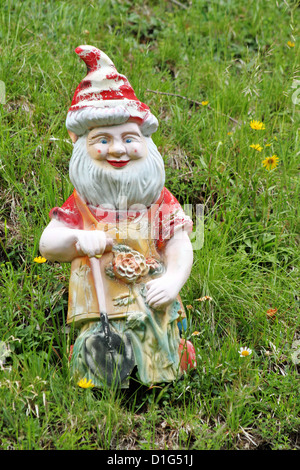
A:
{"x": 143, "y": 264}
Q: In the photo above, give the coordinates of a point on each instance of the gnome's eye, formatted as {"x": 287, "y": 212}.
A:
{"x": 128, "y": 141}
{"x": 103, "y": 141}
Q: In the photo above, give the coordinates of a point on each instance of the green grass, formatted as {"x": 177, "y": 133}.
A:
{"x": 233, "y": 54}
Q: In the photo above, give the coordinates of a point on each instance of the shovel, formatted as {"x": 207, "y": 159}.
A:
{"x": 112, "y": 351}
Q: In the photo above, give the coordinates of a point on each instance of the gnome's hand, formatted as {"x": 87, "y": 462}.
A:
{"x": 178, "y": 255}
{"x": 92, "y": 243}
{"x": 162, "y": 291}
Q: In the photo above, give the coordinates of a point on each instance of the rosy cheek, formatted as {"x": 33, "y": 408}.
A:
{"x": 99, "y": 151}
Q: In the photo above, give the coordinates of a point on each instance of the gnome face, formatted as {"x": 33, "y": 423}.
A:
{"x": 100, "y": 183}
{"x": 116, "y": 147}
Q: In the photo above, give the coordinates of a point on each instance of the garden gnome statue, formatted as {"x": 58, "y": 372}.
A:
{"x": 125, "y": 234}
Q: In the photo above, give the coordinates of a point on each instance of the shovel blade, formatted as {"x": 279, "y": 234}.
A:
{"x": 113, "y": 364}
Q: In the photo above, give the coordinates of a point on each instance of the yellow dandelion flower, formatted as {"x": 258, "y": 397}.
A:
{"x": 189, "y": 307}
{"x": 268, "y": 145}
{"x": 40, "y": 259}
{"x": 204, "y": 103}
{"x": 256, "y": 147}
{"x": 291, "y": 44}
{"x": 83, "y": 383}
{"x": 244, "y": 352}
{"x": 229, "y": 133}
{"x": 270, "y": 162}
{"x": 257, "y": 125}
{"x": 196, "y": 333}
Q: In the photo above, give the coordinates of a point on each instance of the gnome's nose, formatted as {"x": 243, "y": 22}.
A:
{"x": 117, "y": 149}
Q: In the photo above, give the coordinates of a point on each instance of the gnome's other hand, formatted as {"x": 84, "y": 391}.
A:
{"x": 162, "y": 291}
{"x": 92, "y": 243}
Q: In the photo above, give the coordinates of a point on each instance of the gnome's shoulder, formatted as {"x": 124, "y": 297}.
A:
{"x": 168, "y": 198}
{"x": 68, "y": 213}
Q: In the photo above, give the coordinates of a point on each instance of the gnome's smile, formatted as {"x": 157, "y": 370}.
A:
{"x": 117, "y": 164}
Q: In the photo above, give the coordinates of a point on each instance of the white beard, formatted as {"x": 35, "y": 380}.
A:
{"x": 117, "y": 189}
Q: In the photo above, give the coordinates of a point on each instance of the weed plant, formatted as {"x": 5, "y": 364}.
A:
{"x": 206, "y": 69}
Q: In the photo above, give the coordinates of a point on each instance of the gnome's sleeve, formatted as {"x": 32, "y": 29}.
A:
{"x": 68, "y": 214}
{"x": 169, "y": 218}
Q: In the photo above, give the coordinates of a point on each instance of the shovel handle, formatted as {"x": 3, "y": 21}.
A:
{"x": 96, "y": 271}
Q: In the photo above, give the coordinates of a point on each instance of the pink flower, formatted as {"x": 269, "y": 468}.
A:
{"x": 129, "y": 266}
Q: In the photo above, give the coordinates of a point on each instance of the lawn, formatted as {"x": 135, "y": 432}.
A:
{"x": 223, "y": 79}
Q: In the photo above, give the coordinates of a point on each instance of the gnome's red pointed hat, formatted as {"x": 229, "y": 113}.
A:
{"x": 105, "y": 97}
